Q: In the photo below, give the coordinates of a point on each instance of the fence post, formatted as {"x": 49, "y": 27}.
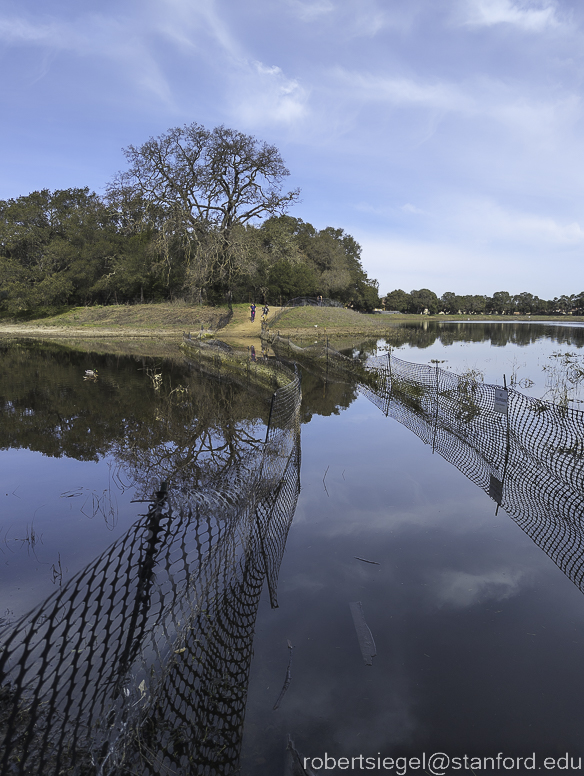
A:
{"x": 390, "y": 383}
{"x": 270, "y": 417}
{"x": 435, "y": 413}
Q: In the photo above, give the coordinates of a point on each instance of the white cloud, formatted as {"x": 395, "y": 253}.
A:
{"x": 22, "y": 31}
{"x": 265, "y": 95}
{"x": 509, "y": 104}
{"x": 93, "y": 36}
{"x": 308, "y": 11}
{"x": 412, "y": 209}
{"x": 489, "y": 221}
{"x": 352, "y": 18}
{"x": 526, "y": 16}
{"x": 191, "y": 23}
{"x": 460, "y": 589}
{"x": 404, "y": 91}
{"x": 456, "y": 264}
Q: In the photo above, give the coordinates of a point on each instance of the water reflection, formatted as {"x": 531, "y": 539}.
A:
{"x": 526, "y": 454}
{"x": 425, "y": 333}
{"x": 140, "y": 662}
{"x": 47, "y": 406}
{"x": 173, "y": 630}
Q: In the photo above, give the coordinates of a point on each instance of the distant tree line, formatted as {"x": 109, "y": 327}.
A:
{"x": 199, "y": 215}
{"x": 501, "y": 303}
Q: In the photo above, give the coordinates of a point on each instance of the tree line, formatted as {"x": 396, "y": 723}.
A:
{"x": 501, "y": 303}
{"x": 199, "y": 215}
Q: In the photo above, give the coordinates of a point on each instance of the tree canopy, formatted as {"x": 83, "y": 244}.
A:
{"x": 211, "y": 178}
{"x": 502, "y": 302}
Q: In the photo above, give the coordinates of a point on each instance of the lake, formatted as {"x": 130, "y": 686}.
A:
{"x": 367, "y": 541}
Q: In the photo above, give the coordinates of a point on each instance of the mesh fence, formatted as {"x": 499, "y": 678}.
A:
{"x": 316, "y": 355}
{"x": 139, "y": 665}
{"x": 527, "y": 454}
{"x": 251, "y": 367}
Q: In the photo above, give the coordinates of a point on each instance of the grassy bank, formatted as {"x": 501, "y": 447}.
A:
{"x": 139, "y": 317}
{"x": 339, "y": 322}
{"x": 168, "y": 321}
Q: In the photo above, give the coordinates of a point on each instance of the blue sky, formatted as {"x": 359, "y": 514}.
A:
{"x": 446, "y": 136}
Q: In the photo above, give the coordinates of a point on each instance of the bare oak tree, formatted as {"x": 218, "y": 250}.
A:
{"x": 209, "y": 183}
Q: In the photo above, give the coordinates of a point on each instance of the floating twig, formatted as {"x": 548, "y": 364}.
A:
{"x": 375, "y": 563}
{"x": 288, "y": 677}
{"x": 323, "y": 480}
{"x": 368, "y": 649}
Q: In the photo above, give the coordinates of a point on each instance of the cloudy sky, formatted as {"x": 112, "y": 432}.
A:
{"x": 446, "y": 136}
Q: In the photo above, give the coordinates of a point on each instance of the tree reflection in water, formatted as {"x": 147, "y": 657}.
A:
{"x": 139, "y": 664}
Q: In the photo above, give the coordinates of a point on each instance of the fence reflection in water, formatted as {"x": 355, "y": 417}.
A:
{"x": 140, "y": 663}
{"x": 525, "y": 453}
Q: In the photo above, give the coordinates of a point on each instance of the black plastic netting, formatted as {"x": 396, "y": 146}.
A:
{"x": 527, "y": 454}
{"x": 140, "y": 663}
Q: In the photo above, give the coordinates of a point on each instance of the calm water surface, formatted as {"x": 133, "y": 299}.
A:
{"x": 479, "y": 635}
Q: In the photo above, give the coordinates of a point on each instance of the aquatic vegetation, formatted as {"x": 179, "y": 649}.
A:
{"x": 564, "y": 376}
{"x": 468, "y": 404}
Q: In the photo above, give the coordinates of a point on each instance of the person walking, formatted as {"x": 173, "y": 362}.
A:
{"x": 252, "y": 310}
{"x": 265, "y": 313}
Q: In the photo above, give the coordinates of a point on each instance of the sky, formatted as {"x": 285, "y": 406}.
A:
{"x": 446, "y": 136}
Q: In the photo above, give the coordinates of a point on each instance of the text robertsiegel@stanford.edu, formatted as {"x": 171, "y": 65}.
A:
{"x": 440, "y": 764}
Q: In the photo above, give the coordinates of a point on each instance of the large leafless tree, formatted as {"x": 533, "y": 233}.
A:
{"x": 210, "y": 183}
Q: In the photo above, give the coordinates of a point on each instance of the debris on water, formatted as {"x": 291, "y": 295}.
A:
{"x": 323, "y": 480}
{"x": 375, "y": 563}
{"x": 288, "y": 677}
{"x": 364, "y": 636}
{"x": 294, "y": 760}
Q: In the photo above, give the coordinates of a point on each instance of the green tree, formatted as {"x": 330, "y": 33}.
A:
{"x": 424, "y": 299}
{"x": 60, "y": 241}
{"x": 524, "y": 302}
{"x": 207, "y": 183}
{"x": 501, "y": 302}
{"x": 397, "y": 300}
{"x": 451, "y": 302}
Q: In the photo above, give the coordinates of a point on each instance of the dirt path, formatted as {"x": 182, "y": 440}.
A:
{"x": 241, "y": 325}
{"x": 240, "y": 331}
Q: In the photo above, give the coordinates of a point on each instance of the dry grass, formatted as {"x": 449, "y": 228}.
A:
{"x": 167, "y": 321}
{"x": 143, "y": 316}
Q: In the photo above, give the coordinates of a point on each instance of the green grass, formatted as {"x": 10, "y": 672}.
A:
{"x": 143, "y": 316}
{"x": 329, "y": 317}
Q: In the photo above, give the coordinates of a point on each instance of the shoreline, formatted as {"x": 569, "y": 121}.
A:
{"x": 375, "y": 326}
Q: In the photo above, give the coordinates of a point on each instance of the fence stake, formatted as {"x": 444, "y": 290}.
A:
{"x": 435, "y": 414}
{"x": 270, "y": 417}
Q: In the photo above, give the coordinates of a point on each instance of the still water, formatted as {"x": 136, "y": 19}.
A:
{"x": 479, "y": 635}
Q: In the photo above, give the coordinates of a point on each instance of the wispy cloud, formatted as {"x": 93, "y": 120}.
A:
{"x": 403, "y": 91}
{"x": 196, "y": 26}
{"x": 490, "y": 221}
{"x": 412, "y": 209}
{"x": 532, "y": 17}
{"x": 93, "y": 36}
{"x": 532, "y": 112}
{"x": 265, "y": 95}
{"x": 309, "y": 11}
{"x": 19, "y": 30}
{"x": 352, "y": 18}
